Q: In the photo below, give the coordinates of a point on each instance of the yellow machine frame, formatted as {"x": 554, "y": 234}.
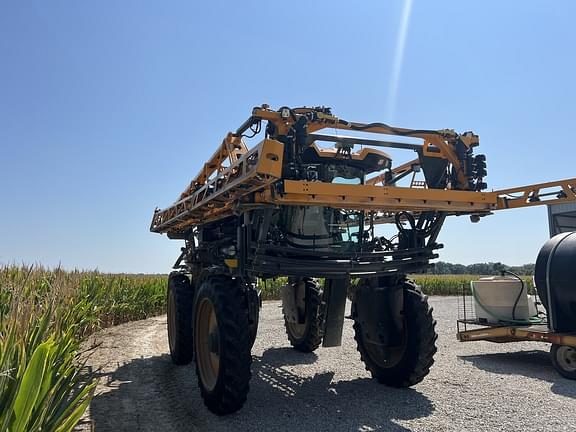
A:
{"x": 234, "y": 173}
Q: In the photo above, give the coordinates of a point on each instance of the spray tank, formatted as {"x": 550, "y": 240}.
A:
{"x": 555, "y": 277}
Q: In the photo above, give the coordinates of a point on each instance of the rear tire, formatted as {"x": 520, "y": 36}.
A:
{"x": 307, "y": 336}
{"x": 223, "y": 342}
{"x": 180, "y": 298}
{"x": 416, "y": 354}
{"x": 564, "y": 360}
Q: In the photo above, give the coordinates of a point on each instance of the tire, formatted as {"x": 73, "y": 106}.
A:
{"x": 222, "y": 347}
{"x": 254, "y": 302}
{"x": 564, "y": 360}
{"x": 415, "y": 356}
{"x": 307, "y": 337}
{"x": 179, "y": 302}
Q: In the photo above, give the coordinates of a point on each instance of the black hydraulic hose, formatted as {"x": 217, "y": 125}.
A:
{"x": 357, "y": 127}
{"x": 530, "y": 320}
{"x": 519, "y": 294}
{"x": 409, "y": 218}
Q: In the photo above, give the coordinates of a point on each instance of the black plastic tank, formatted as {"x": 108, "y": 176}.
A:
{"x": 555, "y": 277}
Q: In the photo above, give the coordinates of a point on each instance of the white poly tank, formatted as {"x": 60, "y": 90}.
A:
{"x": 495, "y": 296}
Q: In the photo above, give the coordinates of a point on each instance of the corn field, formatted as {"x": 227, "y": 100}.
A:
{"x": 43, "y": 317}
{"x": 442, "y": 285}
{"x": 452, "y": 284}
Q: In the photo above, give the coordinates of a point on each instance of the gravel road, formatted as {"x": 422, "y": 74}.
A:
{"x": 476, "y": 386}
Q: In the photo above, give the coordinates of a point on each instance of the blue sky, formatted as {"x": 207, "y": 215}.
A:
{"x": 108, "y": 109}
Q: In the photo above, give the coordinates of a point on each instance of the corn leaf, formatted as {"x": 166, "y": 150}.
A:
{"x": 30, "y": 387}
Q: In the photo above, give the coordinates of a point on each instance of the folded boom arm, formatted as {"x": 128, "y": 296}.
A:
{"x": 236, "y": 177}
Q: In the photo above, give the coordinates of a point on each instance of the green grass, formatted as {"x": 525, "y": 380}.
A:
{"x": 271, "y": 289}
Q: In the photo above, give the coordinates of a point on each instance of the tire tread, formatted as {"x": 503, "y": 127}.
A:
{"x": 411, "y": 370}
{"x": 314, "y": 320}
{"x": 184, "y": 299}
{"x": 231, "y": 390}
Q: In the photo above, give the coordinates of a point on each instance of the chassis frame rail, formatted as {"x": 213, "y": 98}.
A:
{"x": 506, "y": 334}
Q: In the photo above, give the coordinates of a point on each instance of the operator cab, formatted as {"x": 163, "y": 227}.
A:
{"x": 368, "y": 160}
{"x": 324, "y": 228}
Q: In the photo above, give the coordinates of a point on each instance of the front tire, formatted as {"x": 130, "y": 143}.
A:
{"x": 179, "y": 305}
{"x": 222, "y": 344}
{"x": 411, "y": 361}
{"x": 306, "y": 335}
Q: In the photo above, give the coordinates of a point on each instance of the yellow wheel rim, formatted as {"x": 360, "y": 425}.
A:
{"x": 207, "y": 339}
{"x": 298, "y": 331}
{"x": 171, "y": 320}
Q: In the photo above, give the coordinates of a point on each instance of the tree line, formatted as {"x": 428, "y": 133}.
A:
{"x": 489, "y": 268}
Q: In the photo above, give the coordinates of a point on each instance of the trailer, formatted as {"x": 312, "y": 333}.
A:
{"x": 470, "y": 328}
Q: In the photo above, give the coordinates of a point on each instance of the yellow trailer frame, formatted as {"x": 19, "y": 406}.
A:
{"x": 534, "y": 333}
{"x": 562, "y": 352}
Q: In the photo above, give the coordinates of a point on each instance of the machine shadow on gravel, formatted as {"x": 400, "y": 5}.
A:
{"x": 532, "y": 364}
{"x": 151, "y": 394}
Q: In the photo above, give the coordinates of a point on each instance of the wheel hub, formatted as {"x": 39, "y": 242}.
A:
{"x": 298, "y": 329}
{"x": 566, "y": 357}
{"x": 214, "y": 342}
{"x": 384, "y": 355}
